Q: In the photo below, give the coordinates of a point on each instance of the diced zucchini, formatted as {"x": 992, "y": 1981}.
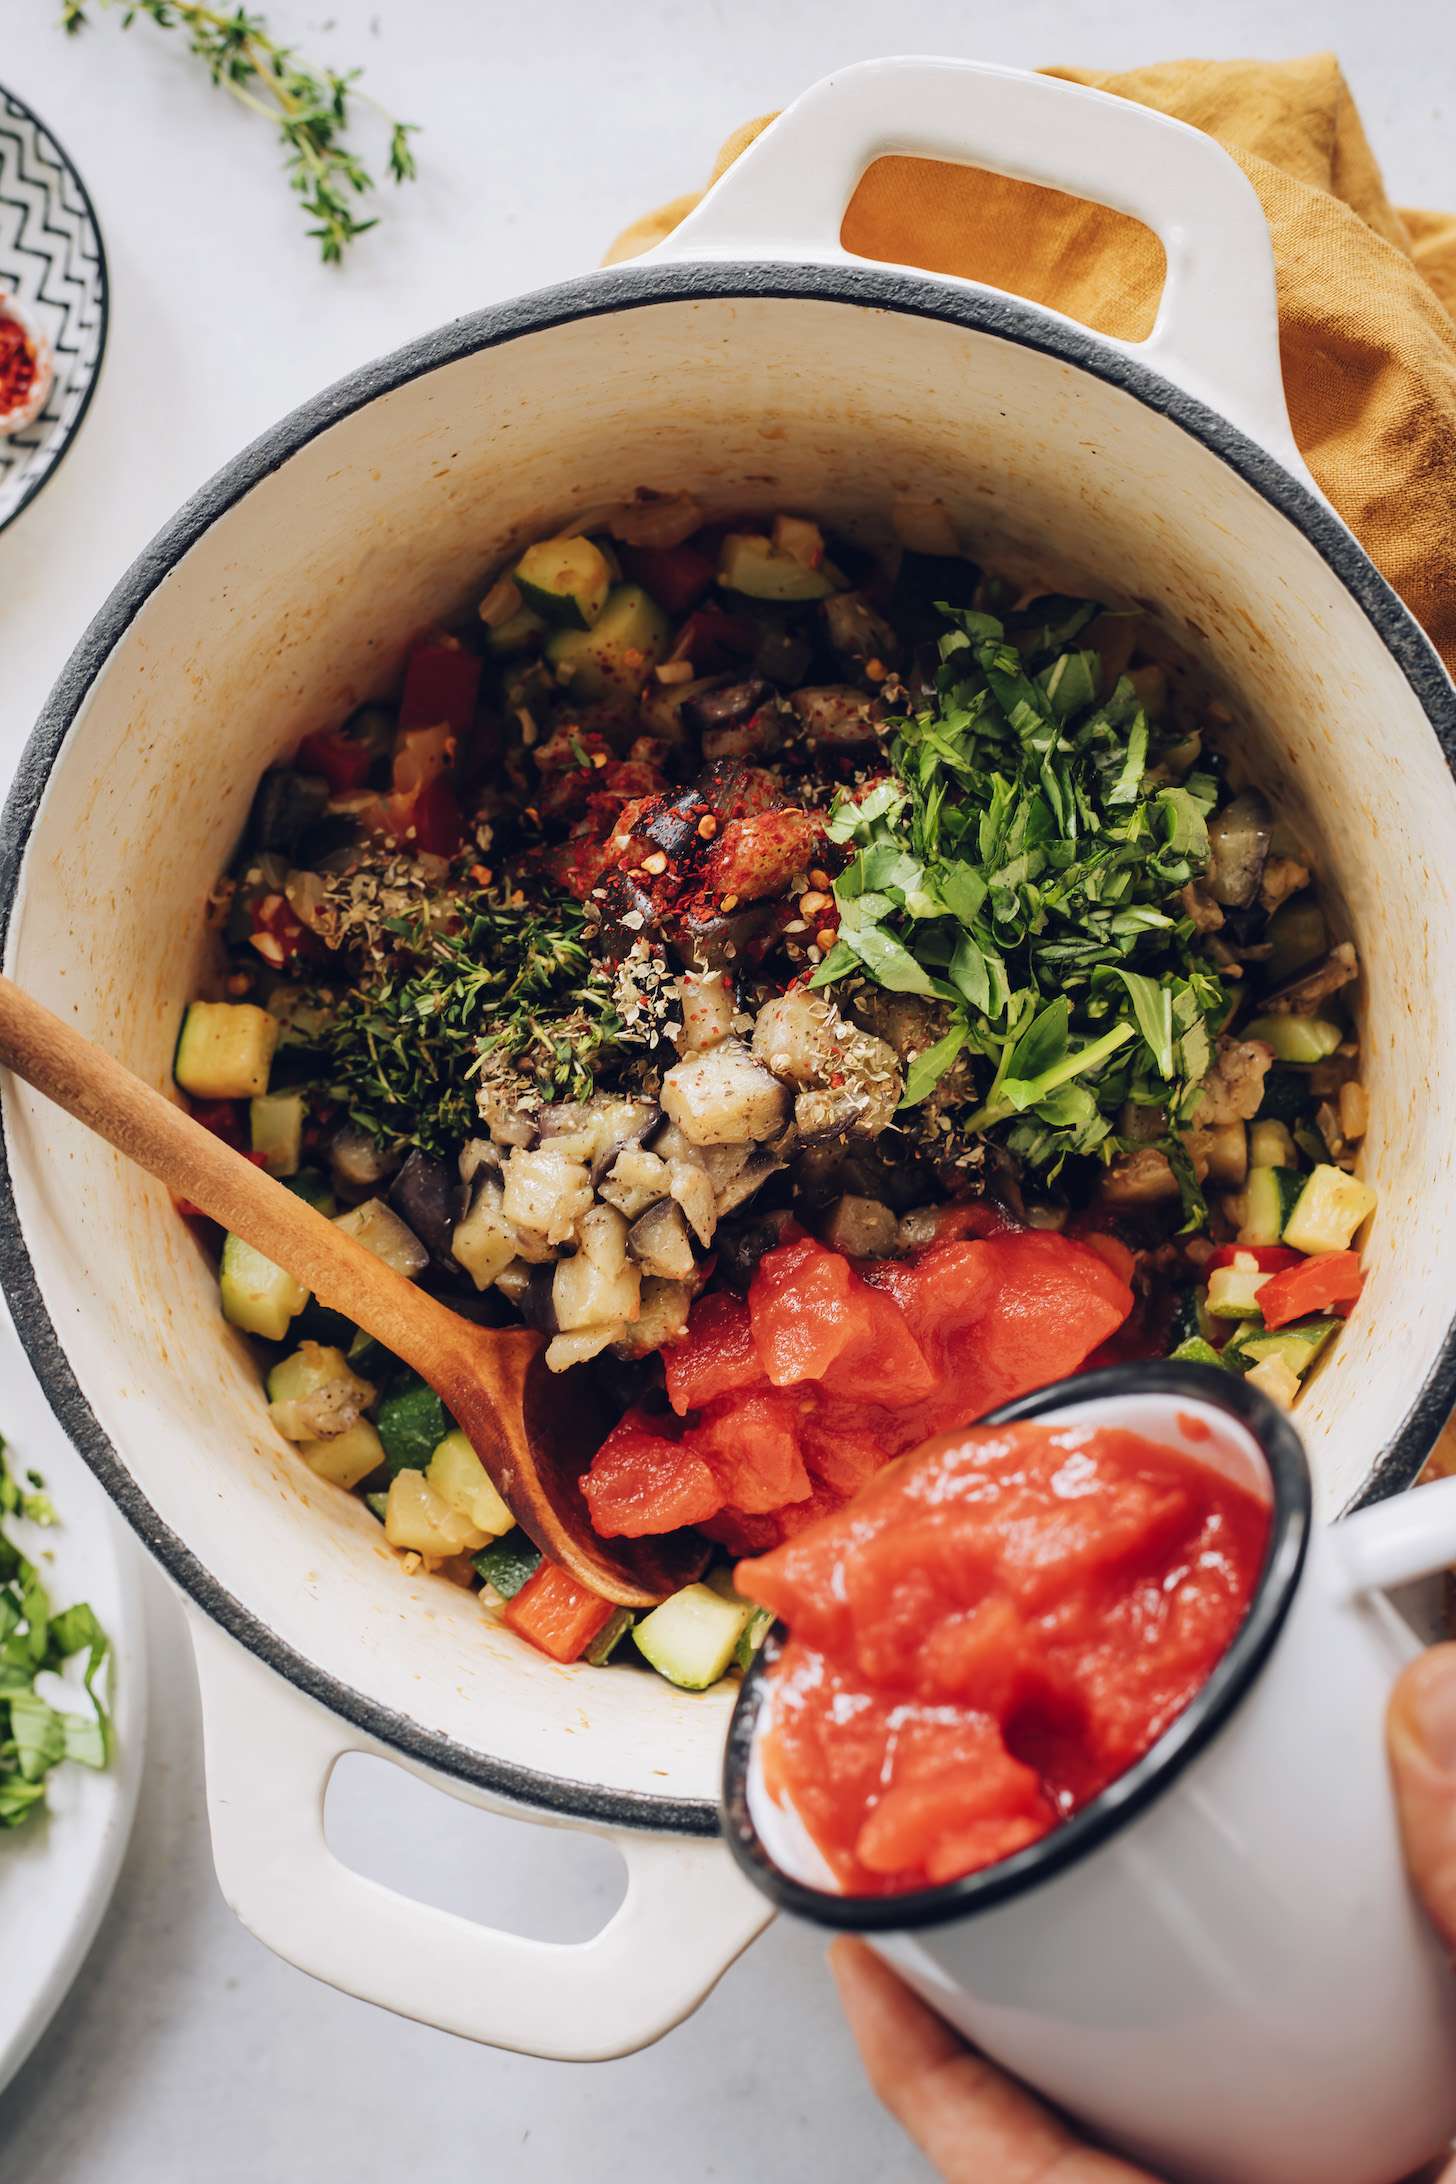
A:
{"x": 348, "y": 1458}
{"x": 380, "y": 1230}
{"x": 761, "y": 570}
{"x": 1273, "y": 1377}
{"x": 412, "y": 1424}
{"x": 1233, "y": 1291}
{"x": 379, "y": 1503}
{"x": 422, "y": 1521}
{"x": 310, "y": 1367}
{"x": 566, "y": 579}
{"x": 458, "y": 1476}
{"x": 226, "y": 1050}
{"x": 517, "y": 634}
{"x": 691, "y": 1638}
{"x": 316, "y": 1323}
{"x": 277, "y": 1129}
{"x": 257, "y": 1295}
{"x": 1330, "y": 1209}
{"x": 1311, "y": 1144}
{"x": 507, "y": 1563}
{"x": 1286, "y": 1096}
{"x": 1195, "y": 1351}
{"x": 314, "y": 1188}
{"x": 755, "y": 1630}
{"x": 615, "y": 656}
{"x": 1296, "y": 1038}
{"x": 1299, "y": 1345}
{"x": 367, "y": 1355}
{"x": 315, "y": 1371}
{"x": 1270, "y": 1195}
{"x": 1270, "y": 1145}
{"x": 608, "y": 1638}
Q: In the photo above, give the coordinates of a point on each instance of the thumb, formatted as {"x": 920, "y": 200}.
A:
{"x": 1421, "y": 1738}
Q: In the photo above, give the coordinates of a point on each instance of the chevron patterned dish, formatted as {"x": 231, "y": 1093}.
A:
{"x": 53, "y": 263}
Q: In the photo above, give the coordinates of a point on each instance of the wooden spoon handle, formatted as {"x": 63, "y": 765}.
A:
{"x": 108, "y": 1099}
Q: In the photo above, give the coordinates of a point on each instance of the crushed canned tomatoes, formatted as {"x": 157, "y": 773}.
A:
{"x": 999, "y": 1627}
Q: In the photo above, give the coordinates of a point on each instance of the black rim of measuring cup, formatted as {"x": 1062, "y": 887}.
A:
{"x": 1159, "y": 1767}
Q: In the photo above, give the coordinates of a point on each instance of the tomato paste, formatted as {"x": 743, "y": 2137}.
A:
{"x": 999, "y": 1626}
{"x": 785, "y": 1402}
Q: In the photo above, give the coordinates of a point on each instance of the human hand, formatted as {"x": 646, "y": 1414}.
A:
{"x": 977, "y": 2126}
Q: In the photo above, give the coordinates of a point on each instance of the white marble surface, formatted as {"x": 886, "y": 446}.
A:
{"x": 185, "y": 2050}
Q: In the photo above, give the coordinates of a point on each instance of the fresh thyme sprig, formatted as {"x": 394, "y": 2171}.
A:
{"x": 511, "y": 993}
{"x": 308, "y": 105}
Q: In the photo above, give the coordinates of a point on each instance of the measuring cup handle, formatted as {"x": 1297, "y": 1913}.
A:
{"x": 1412, "y": 1535}
{"x": 1217, "y": 329}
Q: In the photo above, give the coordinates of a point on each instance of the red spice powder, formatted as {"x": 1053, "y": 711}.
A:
{"x": 17, "y": 364}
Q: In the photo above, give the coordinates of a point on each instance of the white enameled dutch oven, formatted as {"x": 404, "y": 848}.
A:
{"x": 750, "y": 360}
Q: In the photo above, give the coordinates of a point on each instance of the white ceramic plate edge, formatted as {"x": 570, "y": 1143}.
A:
{"x": 56, "y": 1882}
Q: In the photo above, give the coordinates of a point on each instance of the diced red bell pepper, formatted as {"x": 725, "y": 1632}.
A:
{"x": 343, "y": 762}
{"x": 716, "y": 643}
{"x": 643, "y": 1479}
{"x": 440, "y": 684}
{"x": 558, "y": 1616}
{"x": 676, "y": 576}
{"x": 279, "y": 936}
{"x": 427, "y": 819}
{"x": 1268, "y": 1258}
{"x": 717, "y": 1356}
{"x": 222, "y": 1118}
{"x": 184, "y": 1206}
{"x": 1329, "y": 1282}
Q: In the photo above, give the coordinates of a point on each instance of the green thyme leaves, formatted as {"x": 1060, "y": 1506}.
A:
{"x": 503, "y": 987}
{"x": 308, "y": 106}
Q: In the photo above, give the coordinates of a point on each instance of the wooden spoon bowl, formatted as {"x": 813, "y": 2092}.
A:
{"x": 534, "y": 1431}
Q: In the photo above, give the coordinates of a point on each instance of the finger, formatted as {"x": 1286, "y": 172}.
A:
{"x": 975, "y": 2125}
{"x": 1421, "y": 1738}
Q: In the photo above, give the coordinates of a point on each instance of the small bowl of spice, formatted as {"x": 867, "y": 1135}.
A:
{"x": 27, "y": 369}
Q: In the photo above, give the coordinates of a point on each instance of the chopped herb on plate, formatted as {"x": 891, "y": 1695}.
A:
{"x": 34, "y": 1638}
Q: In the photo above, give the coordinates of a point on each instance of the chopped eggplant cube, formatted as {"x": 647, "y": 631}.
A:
{"x": 286, "y": 805}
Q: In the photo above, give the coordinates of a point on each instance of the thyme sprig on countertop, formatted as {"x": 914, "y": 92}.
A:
{"x": 510, "y": 994}
{"x": 1021, "y": 864}
{"x": 308, "y": 105}
{"x": 34, "y": 1735}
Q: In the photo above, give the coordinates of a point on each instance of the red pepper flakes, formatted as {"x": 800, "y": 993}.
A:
{"x": 17, "y": 364}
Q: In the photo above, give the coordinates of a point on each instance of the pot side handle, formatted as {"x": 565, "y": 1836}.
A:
{"x": 1217, "y": 330}
{"x": 688, "y": 1912}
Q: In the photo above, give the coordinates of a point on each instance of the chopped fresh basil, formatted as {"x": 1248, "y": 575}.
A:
{"x": 1022, "y": 863}
{"x": 34, "y": 1735}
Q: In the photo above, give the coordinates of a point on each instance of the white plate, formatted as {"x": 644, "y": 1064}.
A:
{"x": 57, "y": 1872}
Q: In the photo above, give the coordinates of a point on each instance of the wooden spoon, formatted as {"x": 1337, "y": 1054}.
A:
{"x": 534, "y": 1431}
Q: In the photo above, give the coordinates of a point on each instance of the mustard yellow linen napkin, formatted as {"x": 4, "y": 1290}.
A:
{"x": 1366, "y": 291}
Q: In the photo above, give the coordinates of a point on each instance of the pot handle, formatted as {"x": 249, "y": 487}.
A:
{"x": 1217, "y": 329}
{"x": 1394, "y": 1542}
{"x": 270, "y": 1751}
